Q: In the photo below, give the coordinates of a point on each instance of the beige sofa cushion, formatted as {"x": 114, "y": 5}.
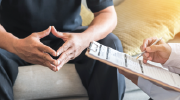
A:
{"x": 38, "y": 82}
{"x": 140, "y": 19}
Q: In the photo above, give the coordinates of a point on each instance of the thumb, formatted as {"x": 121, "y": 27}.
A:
{"x": 57, "y": 34}
{"x": 155, "y": 48}
{"x": 44, "y": 33}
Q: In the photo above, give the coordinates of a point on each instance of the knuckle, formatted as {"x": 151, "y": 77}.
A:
{"x": 70, "y": 57}
{"x": 66, "y": 58}
{"x": 33, "y": 54}
{"x": 65, "y": 54}
{"x": 74, "y": 54}
{"x": 34, "y": 45}
{"x": 64, "y": 48}
{"x": 163, "y": 47}
{"x": 46, "y": 49}
{"x": 41, "y": 63}
{"x": 45, "y": 56}
{"x": 39, "y": 55}
{"x": 34, "y": 34}
{"x": 72, "y": 43}
{"x": 74, "y": 50}
{"x": 154, "y": 47}
{"x": 46, "y": 64}
{"x": 38, "y": 60}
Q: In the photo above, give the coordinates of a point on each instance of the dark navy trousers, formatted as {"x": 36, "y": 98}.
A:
{"x": 101, "y": 81}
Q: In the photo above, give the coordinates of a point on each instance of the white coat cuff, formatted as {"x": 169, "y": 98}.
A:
{"x": 144, "y": 85}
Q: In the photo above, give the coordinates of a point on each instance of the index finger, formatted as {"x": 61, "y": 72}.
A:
{"x": 47, "y": 49}
{"x": 148, "y": 42}
{"x": 64, "y": 47}
{"x": 47, "y": 57}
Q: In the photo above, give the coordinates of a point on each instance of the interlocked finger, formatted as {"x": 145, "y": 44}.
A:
{"x": 47, "y": 49}
{"x": 44, "y": 63}
{"x": 64, "y": 61}
{"x": 47, "y": 57}
{"x": 64, "y": 47}
{"x": 72, "y": 58}
{"x": 66, "y": 54}
{"x": 48, "y": 64}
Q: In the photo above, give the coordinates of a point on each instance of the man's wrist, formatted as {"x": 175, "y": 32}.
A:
{"x": 10, "y": 43}
{"x": 89, "y": 36}
{"x": 13, "y": 43}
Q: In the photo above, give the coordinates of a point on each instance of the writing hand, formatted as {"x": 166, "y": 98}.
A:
{"x": 157, "y": 53}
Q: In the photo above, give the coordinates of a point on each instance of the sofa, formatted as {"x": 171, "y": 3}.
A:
{"x": 39, "y": 82}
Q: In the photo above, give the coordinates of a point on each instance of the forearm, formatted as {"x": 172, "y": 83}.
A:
{"x": 6, "y": 40}
{"x": 104, "y": 23}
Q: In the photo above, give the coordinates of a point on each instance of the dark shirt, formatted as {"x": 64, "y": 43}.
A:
{"x": 23, "y": 17}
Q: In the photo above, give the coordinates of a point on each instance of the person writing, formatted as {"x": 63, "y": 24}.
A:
{"x": 166, "y": 54}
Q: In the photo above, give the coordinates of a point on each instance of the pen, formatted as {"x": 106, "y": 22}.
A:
{"x": 151, "y": 45}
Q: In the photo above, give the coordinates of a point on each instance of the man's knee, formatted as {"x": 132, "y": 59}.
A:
{"x": 112, "y": 41}
{"x": 8, "y": 65}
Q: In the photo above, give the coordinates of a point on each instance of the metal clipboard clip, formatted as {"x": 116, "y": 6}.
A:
{"x": 93, "y": 47}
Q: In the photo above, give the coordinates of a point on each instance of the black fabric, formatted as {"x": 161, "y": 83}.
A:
{"x": 99, "y": 79}
{"x": 23, "y": 17}
{"x": 97, "y": 5}
{"x": 8, "y": 72}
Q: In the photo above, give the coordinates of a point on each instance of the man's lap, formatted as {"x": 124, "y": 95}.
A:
{"x": 89, "y": 74}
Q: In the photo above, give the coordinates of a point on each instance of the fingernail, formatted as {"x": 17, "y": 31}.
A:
{"x": 58, "y": 54}
{"x": 58, "y": 62}
{"x": 58, "y": 68}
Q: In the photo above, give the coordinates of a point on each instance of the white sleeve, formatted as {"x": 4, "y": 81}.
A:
{"x": 157, "y": 92}
{"x": 173, "y": 63}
